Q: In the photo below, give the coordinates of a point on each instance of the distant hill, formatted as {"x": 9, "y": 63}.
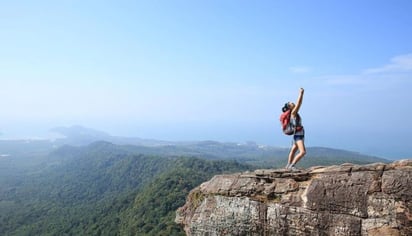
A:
{"x": 249, "y": 151}
{"x": 15, "y": 153}
{"x": 80, "y": 136}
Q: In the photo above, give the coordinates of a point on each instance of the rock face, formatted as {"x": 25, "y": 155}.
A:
{"x": 349, "y": 199}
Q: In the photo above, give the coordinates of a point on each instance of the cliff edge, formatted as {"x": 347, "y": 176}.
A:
{"x": 348, "y": 199}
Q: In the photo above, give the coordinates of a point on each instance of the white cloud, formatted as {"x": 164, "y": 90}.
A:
{"x": 402, "y": 63}
{"x": 345, "y": 80}
{"x": 300, "y": 69}
{"x": 396, "y": 71}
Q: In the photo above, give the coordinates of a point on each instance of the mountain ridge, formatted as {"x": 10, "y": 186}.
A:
{"x": 75, "y": 133}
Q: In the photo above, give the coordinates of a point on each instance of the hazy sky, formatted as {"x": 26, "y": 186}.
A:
{"x": 210, "y": 70}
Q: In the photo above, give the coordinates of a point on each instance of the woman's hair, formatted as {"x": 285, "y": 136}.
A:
{"x": 285, "y": 107}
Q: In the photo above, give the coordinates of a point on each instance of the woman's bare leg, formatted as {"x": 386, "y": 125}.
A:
{"x": 302, "y": 151}
{"x": 292, "y": 153}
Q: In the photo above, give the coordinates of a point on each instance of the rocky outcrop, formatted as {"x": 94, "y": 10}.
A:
{"x": 349, "y": 199}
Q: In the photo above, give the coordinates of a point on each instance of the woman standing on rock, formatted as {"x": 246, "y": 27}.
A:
{"x": 298, "y": 134}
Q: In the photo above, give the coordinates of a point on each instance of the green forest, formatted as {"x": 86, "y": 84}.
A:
{"x": 110, "y": 189}
{"x": 103, "y": 189}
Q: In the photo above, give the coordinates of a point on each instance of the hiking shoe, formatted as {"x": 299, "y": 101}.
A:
{"x": 287, "y": 167}
{"x": 292, "y": 168}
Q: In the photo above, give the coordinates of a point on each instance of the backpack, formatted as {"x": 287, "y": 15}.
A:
{"x": 287, "y": 127}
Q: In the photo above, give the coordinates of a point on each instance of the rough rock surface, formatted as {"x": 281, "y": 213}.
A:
{"x": 349, "y": 199}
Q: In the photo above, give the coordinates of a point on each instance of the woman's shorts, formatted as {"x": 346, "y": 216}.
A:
{"x": 298, "y": 137}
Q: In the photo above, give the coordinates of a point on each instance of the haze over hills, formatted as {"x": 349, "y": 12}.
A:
{"x": 209, "y": 148}
{"x": 79, "y": 135}
{"x": 248, "y": 152}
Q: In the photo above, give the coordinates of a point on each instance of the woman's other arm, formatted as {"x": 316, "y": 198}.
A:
{"x": 298, "y": 103}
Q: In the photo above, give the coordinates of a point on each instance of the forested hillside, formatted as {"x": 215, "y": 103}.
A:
{"x": 153, "y": 210}
{"x": 103, "y": 189}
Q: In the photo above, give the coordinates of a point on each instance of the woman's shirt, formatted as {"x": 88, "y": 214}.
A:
{"x": 296, "y": 122}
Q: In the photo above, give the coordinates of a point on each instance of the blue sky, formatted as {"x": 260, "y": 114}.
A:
{"x": 210, "y": 70}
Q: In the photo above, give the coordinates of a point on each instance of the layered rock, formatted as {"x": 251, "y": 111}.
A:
{"x": 349, "y": 199}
